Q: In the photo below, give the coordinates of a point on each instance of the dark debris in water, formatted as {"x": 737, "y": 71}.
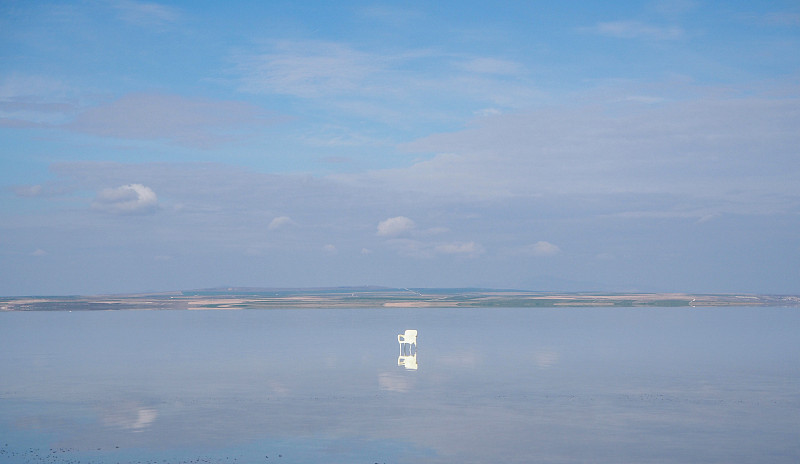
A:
{"x": 34, "y": 455}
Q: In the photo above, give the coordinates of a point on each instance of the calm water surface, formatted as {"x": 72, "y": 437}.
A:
{"x": 559, "y": 385}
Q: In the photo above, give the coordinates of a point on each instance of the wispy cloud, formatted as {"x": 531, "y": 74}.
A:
{"x": 459, "y": 248}
{"x": 783, "y": 18}
{"x": 541, "y": 248}
{"x": 35, "y": 101}
{"x": 145, "y": 13}
{"x": 13, "y": 123}
{"x": 487, "y": 65}
{"x": 638, "y": 30}
{"x": 672, "y": 147}
{"x": 390, "y": 15}
{"x": 29, "y": 86}
{"x": 45, "y": 190}
{"x": 358, "y": 81}
{"x": 308, "y": 69}
{"x": 189, "y": 121}
{"x": 674, "y": 7}
{"x": 28, "y": 190}
{"x": 281, "y": 222}
{"x": 427, "y": 250}
{"x": 449, "y": 139}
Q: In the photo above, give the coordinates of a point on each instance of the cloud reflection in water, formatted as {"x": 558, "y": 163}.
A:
{"x": 129, "y": 417}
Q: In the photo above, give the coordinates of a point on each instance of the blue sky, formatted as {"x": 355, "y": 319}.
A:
{"x": 620, "y": 146}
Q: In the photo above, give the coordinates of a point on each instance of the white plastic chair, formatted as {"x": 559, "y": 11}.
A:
{"x": 409, "y": 338}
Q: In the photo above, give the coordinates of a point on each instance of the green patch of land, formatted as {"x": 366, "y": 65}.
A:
{"x": 377, "y": 297}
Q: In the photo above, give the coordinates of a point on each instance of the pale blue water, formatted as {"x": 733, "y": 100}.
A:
{"x": 600, "y": 385}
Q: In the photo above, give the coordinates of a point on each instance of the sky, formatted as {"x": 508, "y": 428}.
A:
{"x": 556, "y": 146}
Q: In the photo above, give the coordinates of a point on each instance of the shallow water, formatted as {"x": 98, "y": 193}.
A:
{"x": 550, "y": 385}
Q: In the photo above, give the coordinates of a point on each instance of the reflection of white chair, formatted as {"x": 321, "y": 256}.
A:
{"x": 409, "y": 338}
{"x": 409, "y": 362}
{"x": 406, "y": 340}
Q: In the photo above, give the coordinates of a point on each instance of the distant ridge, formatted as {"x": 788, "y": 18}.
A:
{"x": 381, "y": 297}
{"x": 342, "y": 289}
{"x": 260, "y": 290}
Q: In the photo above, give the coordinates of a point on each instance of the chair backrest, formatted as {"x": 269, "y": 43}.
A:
{"x": 409, "y": 336}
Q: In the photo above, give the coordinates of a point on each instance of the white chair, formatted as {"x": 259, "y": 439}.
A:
{"x": 408, "y": 338}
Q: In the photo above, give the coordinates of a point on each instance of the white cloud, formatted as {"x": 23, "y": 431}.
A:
{"x": 638, "y": 30}
{"x": 127, "y": 199}
{"x": 281, "y": 222}
{"x": 542, "y": 248}
{"x": 395, "y": 226}
{"x": 39, "y": 252}
{"x": 330, "y": 249}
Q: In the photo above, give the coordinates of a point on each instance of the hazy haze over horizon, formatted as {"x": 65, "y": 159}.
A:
{"x": 622, "y": 146}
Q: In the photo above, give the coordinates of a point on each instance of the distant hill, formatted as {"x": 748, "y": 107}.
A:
{"x": 377, "y": 297}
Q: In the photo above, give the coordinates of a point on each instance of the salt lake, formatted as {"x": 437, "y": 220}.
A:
{"x": 547, "y": 385}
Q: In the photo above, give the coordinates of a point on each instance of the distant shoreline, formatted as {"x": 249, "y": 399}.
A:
{"x": 380, "y": 297}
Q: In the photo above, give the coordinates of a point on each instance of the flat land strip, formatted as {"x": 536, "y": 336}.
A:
{"x": 376, "y": 297}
